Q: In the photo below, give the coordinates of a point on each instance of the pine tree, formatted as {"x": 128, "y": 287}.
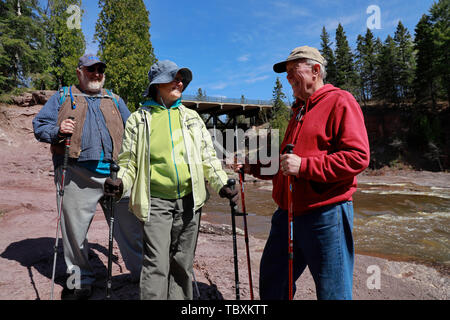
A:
{"x": 327, "y": 53}
{"x": 387, "y": 79}
{"x": 360, "y": 64}
{"x": 122, "y": 31}
{"x": 425, "y": 80}
{"x": 346, "y": 77}
{"x": 370, "y": 62}
{"x": 378, "y": 49}
{"x": 280, "y": 112}
{"x": 22, "y": 43}
{"x": 404, "y": 61}
{"x": 440, "y": 18}
{"x": 365, "y": 64}
{"x": 66, "y": 44}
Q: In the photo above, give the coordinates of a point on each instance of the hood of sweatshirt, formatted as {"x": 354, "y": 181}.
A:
{"x": 314, "y": 98}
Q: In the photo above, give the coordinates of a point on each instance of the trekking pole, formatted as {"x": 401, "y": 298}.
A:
{"x": 231, "y": 183}
{"x": 114, "y": 168}
{"x": 288, "y": 150}
{"x": 244, "y": 214}
{"x": 197, "y": 291}
{"x": 59, "y": 205}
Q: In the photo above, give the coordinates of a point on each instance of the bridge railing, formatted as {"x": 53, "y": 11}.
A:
{"x": 226, "y": 100}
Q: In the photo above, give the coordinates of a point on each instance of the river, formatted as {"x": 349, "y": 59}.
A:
{"x": 394, "y": 218}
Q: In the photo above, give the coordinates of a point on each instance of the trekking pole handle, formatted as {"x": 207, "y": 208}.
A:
{"x": 114, "y": 169}
{"x": 288, "y": 148}
{"x": 231, "y": 183}
{"x": 67, "y": 142}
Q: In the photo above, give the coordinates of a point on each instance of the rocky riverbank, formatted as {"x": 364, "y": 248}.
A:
{"x": 28, "y": 222}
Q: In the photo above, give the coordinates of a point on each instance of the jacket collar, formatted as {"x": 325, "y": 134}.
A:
{"x": 149, "y": 104}
{"x": 152, "y": 103}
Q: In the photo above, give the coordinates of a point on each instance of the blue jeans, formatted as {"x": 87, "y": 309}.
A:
{"x": 323, "y": 241}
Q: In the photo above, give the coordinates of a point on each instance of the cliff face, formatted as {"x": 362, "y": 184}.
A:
{"x": 420, "y": 139}
{"x": 382, "y": 125}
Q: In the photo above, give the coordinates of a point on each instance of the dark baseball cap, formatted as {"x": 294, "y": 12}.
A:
{"x": 89, "y": 60}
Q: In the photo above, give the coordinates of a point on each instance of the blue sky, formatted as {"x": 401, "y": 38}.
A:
{"x": 231, "y": 45}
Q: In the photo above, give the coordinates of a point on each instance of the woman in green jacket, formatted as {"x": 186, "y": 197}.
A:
{"x": 166, "y": 155}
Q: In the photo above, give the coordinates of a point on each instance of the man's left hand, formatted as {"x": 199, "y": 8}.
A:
{"x": 290, "y": 164}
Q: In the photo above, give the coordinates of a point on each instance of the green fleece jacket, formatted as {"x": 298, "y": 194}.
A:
{"x": 170, "y": 177}
{"x": 136, "y": 155}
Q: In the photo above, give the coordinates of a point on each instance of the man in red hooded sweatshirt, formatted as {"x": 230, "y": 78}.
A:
{"x": 330, "y": 148}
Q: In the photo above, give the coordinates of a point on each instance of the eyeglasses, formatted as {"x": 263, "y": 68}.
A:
{"x": 96, "y": 68}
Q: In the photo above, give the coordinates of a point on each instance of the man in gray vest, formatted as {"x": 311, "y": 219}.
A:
{"x": 96, "y": 127}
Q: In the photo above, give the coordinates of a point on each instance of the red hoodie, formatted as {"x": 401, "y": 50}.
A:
{"x": 332, "y": 142}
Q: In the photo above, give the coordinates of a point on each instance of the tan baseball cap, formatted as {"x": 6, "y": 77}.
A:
{"x": 304, "y": 52}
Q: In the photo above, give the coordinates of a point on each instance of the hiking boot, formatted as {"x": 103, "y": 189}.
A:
{"x": 77, "y": 294}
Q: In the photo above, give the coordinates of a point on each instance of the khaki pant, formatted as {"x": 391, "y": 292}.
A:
{"x": 170, "y": 238}
{"x": 83, "y": 191}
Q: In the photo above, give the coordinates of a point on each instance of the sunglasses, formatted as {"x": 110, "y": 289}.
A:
{"x": 177, "y": 79}
{"x": 99, "y": 69}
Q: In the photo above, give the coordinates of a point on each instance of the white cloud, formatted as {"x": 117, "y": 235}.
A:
{"x": 391, "y": 24}
{"x": 219, "y": 85}
{"x": 241, "y": 37}
{"x": 331, "y": 24}
{"x": 289, "y": 9}
{"x": 256, "y": 79}
{"x": 244, "y": 58}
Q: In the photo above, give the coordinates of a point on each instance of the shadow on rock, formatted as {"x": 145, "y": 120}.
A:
{"x": 207, "y": 292}
{"x": 122, "y": 288}
{"x": 39, "y": 254}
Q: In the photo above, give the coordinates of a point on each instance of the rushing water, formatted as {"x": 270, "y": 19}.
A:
{"x": 396, "y": 220}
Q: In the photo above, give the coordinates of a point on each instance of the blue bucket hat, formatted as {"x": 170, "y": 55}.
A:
{"x": 164, "y": 72}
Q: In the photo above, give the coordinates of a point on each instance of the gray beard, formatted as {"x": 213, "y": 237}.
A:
{"x": 92, "y": 86}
